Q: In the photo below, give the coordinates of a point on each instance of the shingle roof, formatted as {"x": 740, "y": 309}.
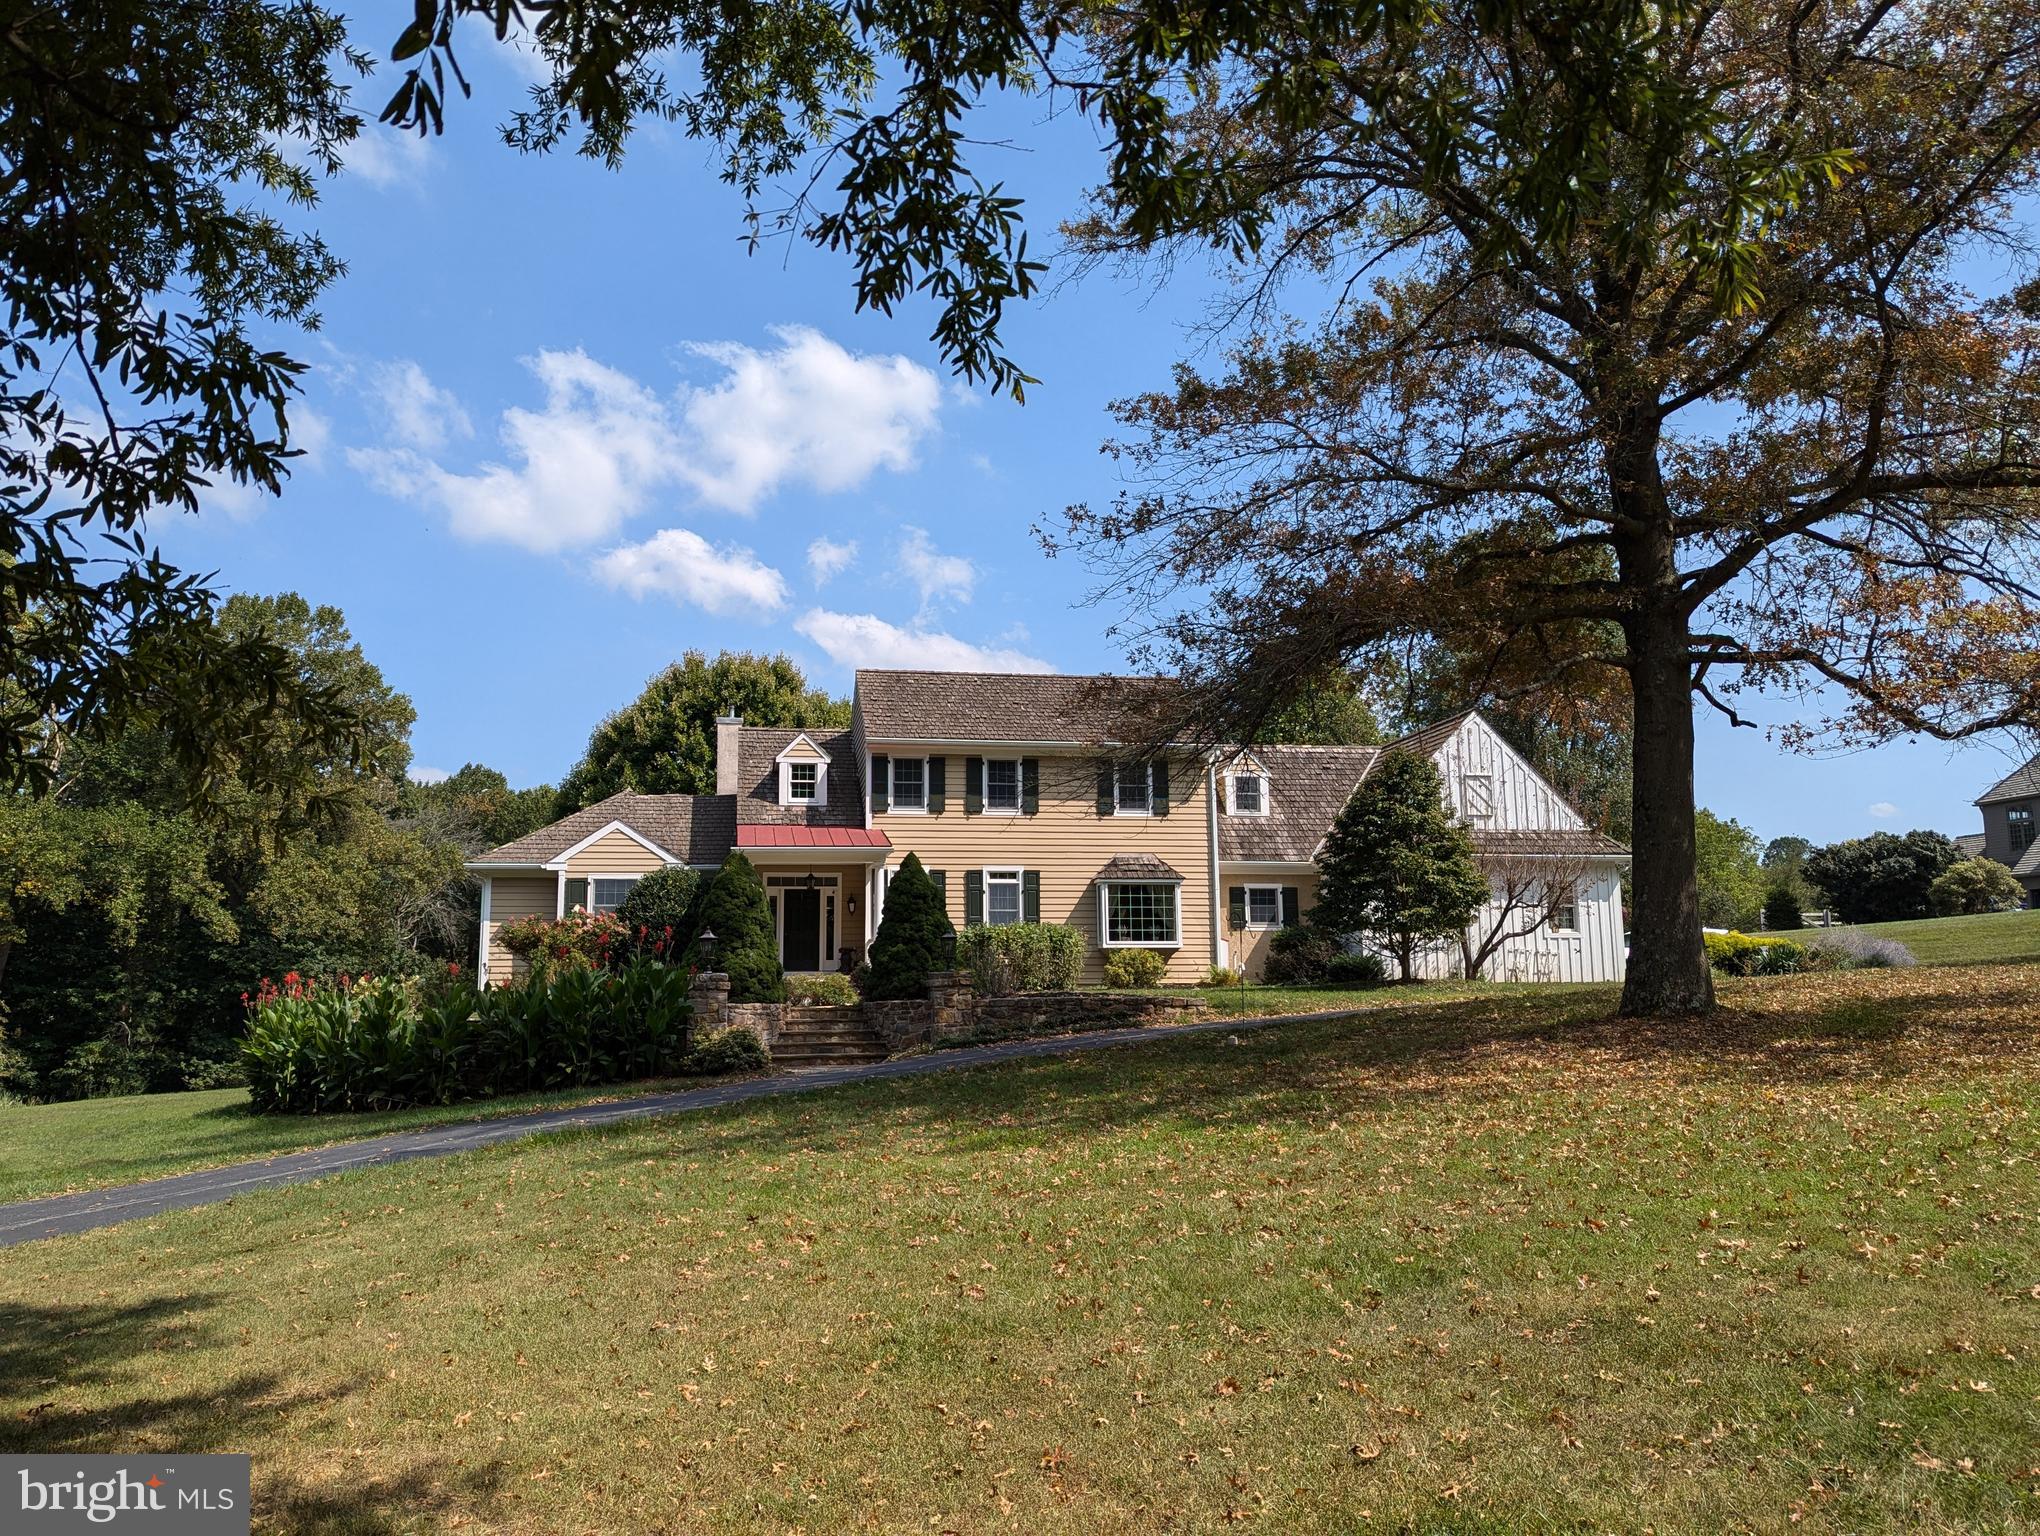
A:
{"x": 1307, "y": 788}
{"x": 2021, "y": 783}
{"x": 1426, "y": 741}
{"x": 1010, "y": 707}
{"x": 1510, "y": 842}
{"x": 758, "y": 749}
{"x": 698, "y": 829}
{"x": 2029, "y": 863}
{"x": 1136, "y": 866}
{"x": 1971, "y": 843}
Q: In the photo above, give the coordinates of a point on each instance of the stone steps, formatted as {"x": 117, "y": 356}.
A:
{"x": 822, "y": 1036}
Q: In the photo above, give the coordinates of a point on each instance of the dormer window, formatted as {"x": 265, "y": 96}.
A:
{"x": 803, "y": 774}
{"x": 1248, "y": 792}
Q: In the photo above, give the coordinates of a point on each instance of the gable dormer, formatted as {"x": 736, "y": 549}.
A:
{"x": 803, "y": 773}
{"x": 1248, "y": 786}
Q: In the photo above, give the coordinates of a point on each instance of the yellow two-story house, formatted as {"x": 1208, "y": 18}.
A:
{"x": 1034, "y": 798}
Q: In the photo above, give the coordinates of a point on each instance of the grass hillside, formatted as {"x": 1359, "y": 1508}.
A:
{"x": 1963, "y": 940}
{"x": 1491, "y": 1265}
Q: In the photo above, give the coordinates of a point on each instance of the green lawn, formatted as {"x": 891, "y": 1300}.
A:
{"x": 46, "y": 1149}
{"x": 1495, "y": 1265}
{"x": 1963, "y": 940}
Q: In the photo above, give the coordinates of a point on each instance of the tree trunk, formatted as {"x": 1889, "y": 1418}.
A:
{"x": 1668, "y": 970}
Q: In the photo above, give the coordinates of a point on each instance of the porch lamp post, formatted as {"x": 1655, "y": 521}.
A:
{"x": 706, "y": 942}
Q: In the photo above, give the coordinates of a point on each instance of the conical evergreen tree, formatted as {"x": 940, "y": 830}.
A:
{"x": 914, "y": 938}
{"x": 734, "y": 910}
{"x": 1396, "y": 866}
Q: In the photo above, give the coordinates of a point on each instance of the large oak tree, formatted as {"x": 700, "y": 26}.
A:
{"x": 1613, "y": 454}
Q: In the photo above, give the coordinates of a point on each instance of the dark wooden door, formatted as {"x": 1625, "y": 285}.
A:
{"x": 802, "y": 918}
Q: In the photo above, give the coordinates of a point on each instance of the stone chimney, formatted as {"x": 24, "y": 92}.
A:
{"x": 726, "y": 729}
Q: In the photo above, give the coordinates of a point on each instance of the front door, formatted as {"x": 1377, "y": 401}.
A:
{"x": 800, "y": 913}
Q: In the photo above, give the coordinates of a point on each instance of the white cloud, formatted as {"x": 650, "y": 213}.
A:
{"x": 429, "y": 775}
{"x": 420, "y": 414}
{"x": 582, "y": 465}
{"x": 1883, "y": 809}
{"x": 680, "y": 564}
{"x": 865, "y": 640}
{"x": 385, "y": 157}
{"x": 826, "y": 559}
{"x": 938, "y": 577}
{"x": 312, "y": 434}
{"x": 601, "y": 445}
{"x": 805, "y": 411}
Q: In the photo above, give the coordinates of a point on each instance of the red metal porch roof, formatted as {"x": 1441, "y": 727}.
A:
{"x": 765, "y": 835}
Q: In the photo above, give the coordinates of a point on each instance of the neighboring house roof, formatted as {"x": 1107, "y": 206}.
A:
{"x": 1517, "y": 843}
{"x": 758, "y": 749}
{"x": 2029, "y": 863}
{"x": 696, "y": 829}
{"x": 1427, "y": 741}
{"x": 1136, "y": 866}
{"x": 1307, "y": 788}
{"x": 1019, "y": 708}
{"x": 774, "y": 835}
{"x": 1971, "y": 843}
{"x": 2020, "y": 784}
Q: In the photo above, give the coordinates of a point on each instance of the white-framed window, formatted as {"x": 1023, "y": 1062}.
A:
{"x": 1002, "y": 897}
{"x": 910, "y": 784}
{"x": 1002, "y": 784}
{"x": 1249, "y": 795}
{"x": 1133, "y": 789}
{"x": 606, "y": 892}
{"x": 1264, "y": 906}
{"x": 1565, "y": 911}
{"x": 802, "y": 780}
{"x": 1141, "y": 914}
{"x": 1477, "y": 792}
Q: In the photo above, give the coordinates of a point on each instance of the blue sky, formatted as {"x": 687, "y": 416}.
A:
{"x": 562, "y": 428}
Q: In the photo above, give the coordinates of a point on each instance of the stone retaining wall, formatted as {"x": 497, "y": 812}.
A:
{"x": 952, "y": 1010}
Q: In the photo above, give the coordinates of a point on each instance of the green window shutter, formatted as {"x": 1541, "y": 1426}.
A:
{"x": 1030, "y": 784}
{"x": 1160, "y": 791}
{"x": 941, "y": 879}
{"x": 1105, "y": 789}
{"x": 1236, "y": 906}
{"x": 973, "y": 786}
{"x": 937, "y": 783}
{"x": 881, "y": 781}
{"x": 577, "y": 894}
{"x": 973, "y": 897}
{"x": 1030, "y": 895}
{"x": 1292, "y": 906}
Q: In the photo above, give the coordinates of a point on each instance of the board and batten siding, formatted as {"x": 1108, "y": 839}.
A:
{"x": 1522, "y": 800}
{"x": 512, "y": 897}
{"x": 1067, "y": 841}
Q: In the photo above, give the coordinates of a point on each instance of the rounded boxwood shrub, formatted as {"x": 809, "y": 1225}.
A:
{"x": 662, "y": 905}
{"x": 915, "y": 937}
{"x": 724, "y": 1051}
{"x": 1300, "y": 955}
{"x": 1021, "y": 957}
{"x": 1356, "y": 970}
{"x": 1134, "y": 968}
{"x": 831, "y": 989}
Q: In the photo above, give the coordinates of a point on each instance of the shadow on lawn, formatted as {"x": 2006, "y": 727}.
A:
{"x": 1792, "y": 1030}
{"x": 86, "y": 1379}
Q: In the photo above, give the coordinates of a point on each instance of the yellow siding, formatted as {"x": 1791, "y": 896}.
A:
{"x": 512, "y": 897}
{"x": 1067, "y": 841}
{"x": 615, "y": 854}
{"x": 1250, "y": 945}
{"x": 804, "y": 752}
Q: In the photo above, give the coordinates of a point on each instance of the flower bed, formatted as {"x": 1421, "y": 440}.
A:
{"x": 383, "y": 1042}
